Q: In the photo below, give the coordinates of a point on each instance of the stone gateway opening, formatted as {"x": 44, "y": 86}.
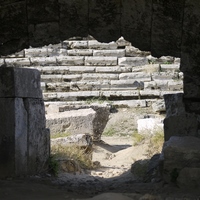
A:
{"x": 91, "y": 83}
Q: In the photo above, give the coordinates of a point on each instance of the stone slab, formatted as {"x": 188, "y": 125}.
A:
{"x": 80, "y": 52}
{"x": 133, "y": 84}
{"x": 176, "y": 85}
{"x": 170, "y": 67}
{"x": 164, "y": 76}
{"x": 94, "y": 44}
{"x": 19, "y": 62}
{"x": 118, "y": 53}
{"x": 133, "y": 61}
{"x": 149, "y": 94}
{"x": 53, "y": 69}
{"x": 130, "y": 103}
{"x": 140, "y": 76}
{"x": 72, "y": 122}
{"x": 43, "y": 61}
{"x": 113, "y": 69}
{"x": 99, "y": 76}
{"x": 36, "y": 52}
{"x": 70, "y": 60}
{"x": 20, "y": 82}
{"x": 100, "y": 61}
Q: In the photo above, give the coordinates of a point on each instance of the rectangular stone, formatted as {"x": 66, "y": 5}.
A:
{"x": 162, "y": 84}
{"x": 164, "y": 76}
{"x": 121, "y": 94}
{"x": 43, "y": 61}
{"x": 150, "y": 85}
{"x": 20, "y": 82}
{"x": 57, "y": 52}
{"x": 38, "y": 136}
{"x": 1, "y": 61}
{"x": 94, "y": 44}
{"x": 140, "y": 76}
{"x": 117, "y": 69}
{"x": 149, "y": 94}
{"x": 130, "y": 103}
{"x": 175, "y": 85}
{"x": 53, "y": 69}
{"x": 162, "y": 93}
{"x": 170, "y": 67}
{"x": 81, "y": 69}
{"x": 19, "y": 62}
{"x": 36, "y": 52}
{"x": 100, "y": 61}
{"x": 133, "y": 61}
{"x": 80, "y": 52}
{"x": 72, "y": 77}
{"x": 70, "y": 60}
{"x": 132, "y": 84}
{"x": 13, "y": 137}
{"x": 118, "y": 53}
{"x": 100, "y": 76}
{"x": 52, "y": 78}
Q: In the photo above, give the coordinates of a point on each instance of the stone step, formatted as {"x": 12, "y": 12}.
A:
{"x": 170, "y": 67}
{"x": 101, "y": 61}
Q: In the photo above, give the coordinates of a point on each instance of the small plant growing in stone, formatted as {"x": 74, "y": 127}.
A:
{"x": 109, "y": 132}
{"x": 53, "y": 165}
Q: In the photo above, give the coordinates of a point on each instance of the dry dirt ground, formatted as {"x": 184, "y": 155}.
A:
{"x": 112, "y": 180}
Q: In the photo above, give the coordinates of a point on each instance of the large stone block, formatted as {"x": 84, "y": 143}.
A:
{"x": 13, "y": 137}
{"x": 72, "y": 122}
{"x": 18, "y": 82}
{"x": 179, "y": 153}
{"x": 38, "y": 136}
{"x": 178, "y": 122}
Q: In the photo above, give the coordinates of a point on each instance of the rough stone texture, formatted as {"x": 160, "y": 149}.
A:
{"x": 136, "y": 22}
{"x": 13, "y": 138}
{"x": 179, "y": 153}
{"x": 68, "y": 60}
{"x": 20, "y": 62}
{"x": 72, "y": 122}
{"x": 104, "y": 19}
{"x": 132, "y": 61}
{"x": 18, "y": 82}
{"x": 38, "y": 136}
{"x": 189, "y": 178}
{"x": 159, "y": 106}
{"x": 176, "y": 116}
{"x": 97, "y": 60}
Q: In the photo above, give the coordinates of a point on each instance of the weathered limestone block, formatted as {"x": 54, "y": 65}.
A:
{"x": 76, "y": 44}
{"x": 140, "y": 76}
{"x": 130, "y": 83}
{"x": 130, "y": 103}
{"x": 13, "y": 137}
{"x": 81, "y": 140}
{"x": 70, "y": 60}
{"x": 36, "y": 52}
{"x": 82, "y": 69}
{"x": 164, "y": 76}
{"x": 80, "y": 52}
{"x": 150, "y": 85}
{"x": 162, "y": 84}
{"x": 179, "y": 153}
{"x": 115, "y": 53}
{"x": 135, "y": 52}
{"x": 94, "y": 44}
{"x": 97, "y": 60}
{"x": 108, "y": 69}
{"x": 19, "y": 82}
{"x": 20, "y": 62}
{"x": 133, "y": 61}
{"x": 38, "y": 136}
{"x": 57, "y": 52}
{"x": 58, "y": 87}
{"x": 149, "y": 125}
{"x": 43, "y": 61}
{"x": 150, "y": 68}
{"x": 175, "y": 85}
{"x": 178, "y": 122}
{"x": 52, "y": 78}
{"x": 121, "y": 94}
{"x": 72, "y": 122}
{"x": 170, "y": 67}
{"x": 99, "y": 76}
{"x": 149, "y": 94}
{"x": 159, "y": 106}
{"x": 53, "y": 69}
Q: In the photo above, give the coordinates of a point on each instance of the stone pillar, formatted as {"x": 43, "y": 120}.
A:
{"x": 24, "y": 139}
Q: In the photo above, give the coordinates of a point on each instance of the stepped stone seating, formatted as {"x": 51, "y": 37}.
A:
{"x": 75, "y": 71}
{"x": 81, "y": 69}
